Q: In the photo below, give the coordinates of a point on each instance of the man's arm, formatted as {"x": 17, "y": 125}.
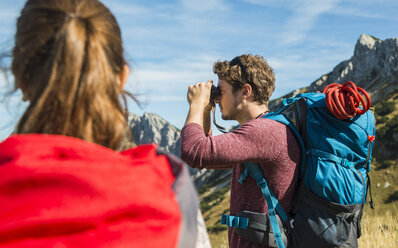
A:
{"x": 196, "y": 149}
{"x": 198, "y": 97}
{"x": 258, "y": 141}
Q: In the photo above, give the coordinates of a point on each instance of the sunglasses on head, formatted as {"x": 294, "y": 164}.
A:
{"x": 236, "y": 61}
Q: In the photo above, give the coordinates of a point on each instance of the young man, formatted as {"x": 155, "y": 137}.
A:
{"x": 246, "y": 84}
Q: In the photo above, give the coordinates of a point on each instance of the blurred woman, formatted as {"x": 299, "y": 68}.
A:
{"x": 62, "y": 181}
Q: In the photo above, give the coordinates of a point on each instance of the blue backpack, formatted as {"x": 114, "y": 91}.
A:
{"x": 332, "y": 185}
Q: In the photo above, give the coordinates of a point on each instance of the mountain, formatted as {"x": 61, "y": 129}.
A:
{"x": 151, "y": 128}
{"x": 373, "y": 67}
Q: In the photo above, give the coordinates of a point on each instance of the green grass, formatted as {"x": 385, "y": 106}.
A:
{"x": 384, "y": 180}
{"x": 379, "y": 229}
{"x": 213, "y": 199}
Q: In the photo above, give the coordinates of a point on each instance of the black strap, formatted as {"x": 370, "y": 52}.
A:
{"x": 369, "y": 189}
{"x": 301, "y": 125}
{"x": 301, "y": 119}
{"x": 220, "y": 128}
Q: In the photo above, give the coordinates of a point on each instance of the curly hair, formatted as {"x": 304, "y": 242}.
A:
{"x": 252, "y": 70}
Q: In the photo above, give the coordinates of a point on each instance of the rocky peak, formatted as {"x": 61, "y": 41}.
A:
{"x": 373, "y": 66}
{"x": 151, "y": 128}
{"x": 365, "y": 42}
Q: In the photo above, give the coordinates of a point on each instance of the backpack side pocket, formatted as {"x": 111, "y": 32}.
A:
{"x": 321, "y": 223}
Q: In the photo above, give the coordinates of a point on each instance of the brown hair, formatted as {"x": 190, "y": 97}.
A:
{"x": 67, "y": 58}
{"x": 259, "y": 75}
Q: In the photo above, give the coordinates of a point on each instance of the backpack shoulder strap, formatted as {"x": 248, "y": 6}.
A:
{"x": 277, "y": 116}
{"x": 273, "y": 204}
{"x": 255, "y": 171}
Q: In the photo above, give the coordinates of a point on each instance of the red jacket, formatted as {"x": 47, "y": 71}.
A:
{"x": 58, "y": 191}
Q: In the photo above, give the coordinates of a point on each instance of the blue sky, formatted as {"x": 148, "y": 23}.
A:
{"x": 172, "y": 44}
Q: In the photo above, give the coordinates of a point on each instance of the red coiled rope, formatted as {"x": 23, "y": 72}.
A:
{"x": 343, "y": 101}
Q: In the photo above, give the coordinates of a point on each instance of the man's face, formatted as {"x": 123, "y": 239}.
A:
{"x": 228, "y": 101}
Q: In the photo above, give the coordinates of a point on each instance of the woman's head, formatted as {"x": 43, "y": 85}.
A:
{"x": 68, "y": 61}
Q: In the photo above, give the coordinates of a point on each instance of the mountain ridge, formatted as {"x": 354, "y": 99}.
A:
{"x": 373, "y": 67}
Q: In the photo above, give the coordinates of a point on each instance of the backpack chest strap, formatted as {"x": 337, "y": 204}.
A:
{"x": 331, "y": 157}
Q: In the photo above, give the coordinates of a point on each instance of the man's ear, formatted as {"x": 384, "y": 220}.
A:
{"x": 124, "y": 75}
{"x": 246, "y": 91}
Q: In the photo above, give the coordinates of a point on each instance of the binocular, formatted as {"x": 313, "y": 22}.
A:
{"x": 214, "y": 92}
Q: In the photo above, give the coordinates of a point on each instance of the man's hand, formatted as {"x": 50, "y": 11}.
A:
{"x": 198, "y": 95}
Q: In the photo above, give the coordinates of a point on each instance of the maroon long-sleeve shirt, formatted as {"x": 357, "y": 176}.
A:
{"x": 268, "y": 143}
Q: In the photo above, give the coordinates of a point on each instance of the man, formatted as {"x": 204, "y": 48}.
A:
{"x": 246, "y": 85}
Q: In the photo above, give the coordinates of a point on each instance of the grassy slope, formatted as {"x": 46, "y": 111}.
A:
{"x": 379, "y": 226}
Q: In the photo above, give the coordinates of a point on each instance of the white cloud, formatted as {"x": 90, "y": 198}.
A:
{"x": 118, "y": 8}
{"x": 204, "y": 5}
{"x": 367, "y": 9}
{"x": 273, "y": 3}
{"x": 173, "y": 75}
{"x": 305, "y": 14}
{"x": 300, "y": 68}
{"x": 161, "y": 31}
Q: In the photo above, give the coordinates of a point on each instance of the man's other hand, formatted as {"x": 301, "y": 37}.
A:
{"x": 198, "y": 95}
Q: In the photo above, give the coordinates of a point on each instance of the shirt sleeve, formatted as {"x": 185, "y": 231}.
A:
{"x": 258, "y": 141}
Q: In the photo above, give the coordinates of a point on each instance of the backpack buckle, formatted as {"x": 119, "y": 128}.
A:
{"x": 347, "y": 163}
{"x": 234, "y": 221}
{"x": 288, "y": 101}
{"x": 262, "y": 183}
